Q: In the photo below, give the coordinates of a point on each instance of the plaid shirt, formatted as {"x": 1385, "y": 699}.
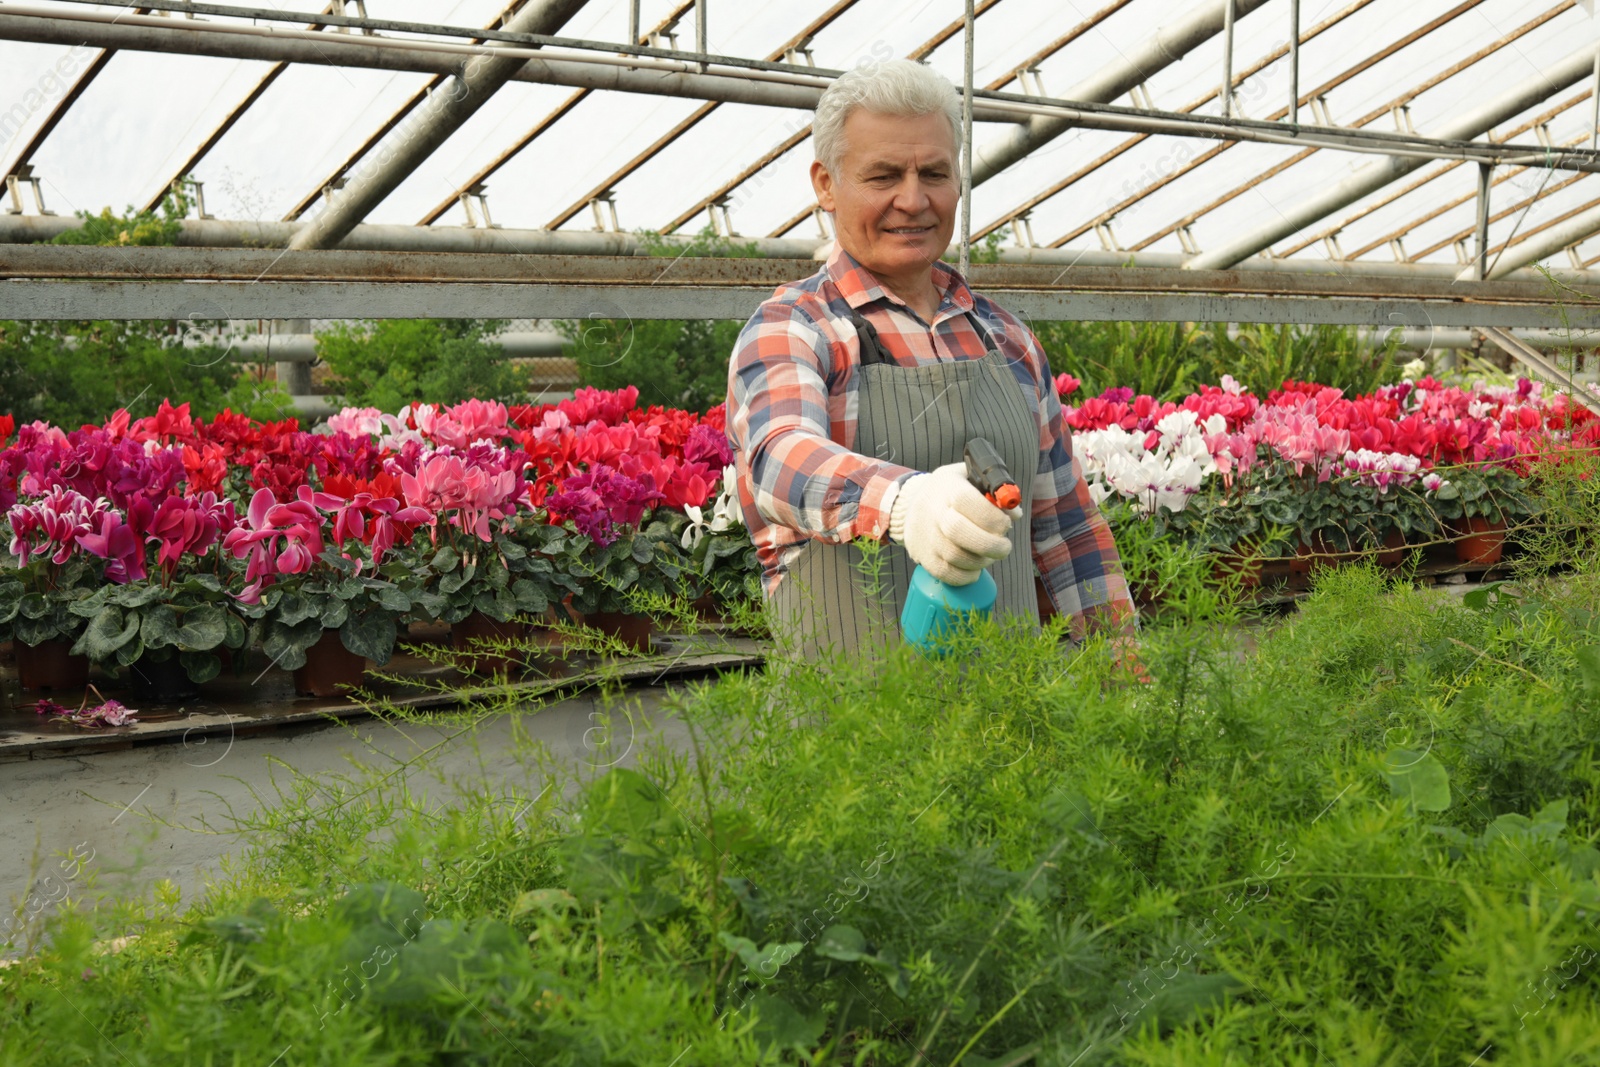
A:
{"x": 792, "y": 407}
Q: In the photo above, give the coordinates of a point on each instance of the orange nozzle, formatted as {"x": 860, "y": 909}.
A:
{"x": 1006, "y": 497}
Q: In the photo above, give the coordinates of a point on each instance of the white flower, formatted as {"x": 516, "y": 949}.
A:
{"x": 1414, "y": 370}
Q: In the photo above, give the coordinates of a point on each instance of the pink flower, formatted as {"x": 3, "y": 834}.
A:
{"x": 53, "y": 525}
{"x": 119, "y": 544}
{"x": 297, "y": 526}
{"x": 448, "y": 483}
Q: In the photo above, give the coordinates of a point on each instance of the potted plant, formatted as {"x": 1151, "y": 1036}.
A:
{"x": 164, "y": 619}
{"x": 1479, "y": 502}
{"x": 477, "y": 572}
{"x": 722, "y": 556}
{"x": 617, "y": 551}
{"x": 42, "y": 599}
{"x": 321, "y": 616}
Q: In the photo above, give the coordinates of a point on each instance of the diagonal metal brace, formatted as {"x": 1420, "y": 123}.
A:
{"x": 1537, "y": 362}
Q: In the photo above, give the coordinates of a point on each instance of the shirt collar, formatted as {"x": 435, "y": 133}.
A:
{"x": 859, "y": 288}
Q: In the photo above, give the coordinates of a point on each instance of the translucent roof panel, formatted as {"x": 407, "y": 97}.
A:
{"x": 1381, "y": 66}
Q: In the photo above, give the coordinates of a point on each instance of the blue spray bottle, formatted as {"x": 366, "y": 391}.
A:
{"x": 934, "y": 609}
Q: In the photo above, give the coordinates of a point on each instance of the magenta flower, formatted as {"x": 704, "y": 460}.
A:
{"x": 188, "y": 524}
{"x": 119, "y": 544}
{"x": 379, "y": 522}
{"x": 601, "y": 499}
{"x": 296, "y": 526}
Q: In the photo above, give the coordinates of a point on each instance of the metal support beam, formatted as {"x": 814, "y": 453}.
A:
{"x": 1225, "y": 92}
{"x": 1578, "y": 228}
{"x": 1481, "y": 247}
{"x": 1294, "y": 62}
{"x": 54, "y": 282}
{"x": 1541, "y": 365}
{"x": 964, "y": 259}
{"x": 1376, "y": 175}
{"x": 137, "y": 299}
{"x": 1093, "y": 166}
{"x": 293, "y": 375}
{"x": 446, "y": 112}
{"x": 561, "y": 111}
{"x": 694, "y": 118}
{"x": 1165, "y": 46}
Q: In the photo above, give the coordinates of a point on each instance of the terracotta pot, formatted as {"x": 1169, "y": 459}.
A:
{"x": 631, "y": 630}
{"x": 51, "y": 666}
{"x": 1300, "y": 562}
{"x": 1393, "y": 553}
{"x": 165, "y": 682}
{"x": 471, "y": 635}
{"x": 1482, "y": 541}
{"x": 330, "y": 668}
{"x": 705, "y": 609}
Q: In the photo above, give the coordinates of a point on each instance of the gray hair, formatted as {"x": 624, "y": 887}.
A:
{"x": 900, "y": 87}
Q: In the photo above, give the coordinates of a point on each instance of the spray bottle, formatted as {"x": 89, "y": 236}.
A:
{"x": 934, "y": 610}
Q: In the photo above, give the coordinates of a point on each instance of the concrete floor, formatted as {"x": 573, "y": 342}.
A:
{"x": 134, "y": 811}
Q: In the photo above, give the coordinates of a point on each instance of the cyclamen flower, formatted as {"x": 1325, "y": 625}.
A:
{"x": 119, "y": 544}
{"x": 601, "y": 499}
{"x": 357, "y": 422}
{"x": 709, "y": 445}
{"x": 725, "y": 515}
{"x": 447, "y": 483}
{"x": 1382, "y": 469}
{"x": 297, "y": 527}
{"x": 379, "y": 522}
{"x": 1433, "y": 482}
{"x": 189, "y": 525}
{"x": 53, "y": 525}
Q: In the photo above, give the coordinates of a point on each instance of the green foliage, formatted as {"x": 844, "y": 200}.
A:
{"x": 708, "y": 243}
{"x": 1362, "y": 835}
{"x": 135, "y": 227}
{"x": 1169, "y": 360}
{"x": 674, "y": 362}
{"x": 389, "y": 363}
{"x": 71, "y": 373}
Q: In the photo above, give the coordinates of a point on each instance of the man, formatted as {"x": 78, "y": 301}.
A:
{"x": 852, "y": 395}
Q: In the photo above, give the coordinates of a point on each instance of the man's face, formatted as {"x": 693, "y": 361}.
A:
{"x": 894, "y": 199}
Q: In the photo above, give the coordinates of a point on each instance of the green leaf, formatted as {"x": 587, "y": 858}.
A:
{"x": 452, "y": 583}
{"x": 445, "y": 559}
{"x": 34, "y": 606}
{"x": 203, "y": 628}
{"x": 201, "y": 666}
{"x": 763, "y": 962}
{"x": 371, "y": 634}
{"x": 779, "y": 1024}
{"x": 848, "y": 945}
{"x": 88, "y": 607}
{"x": 1419, "y": 778}
{"x": 529, "y": 597}
{"x": 106, "y": 633}
{"x": 1182, "y": 999}
{"x": 294, "y": 609}
{"x": 334, "y": 614}
{"x": 392, "y": 599}
{"x": 159, "y": 628}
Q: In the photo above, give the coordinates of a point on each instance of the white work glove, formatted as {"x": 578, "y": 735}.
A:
{"x": 947, "y": 526}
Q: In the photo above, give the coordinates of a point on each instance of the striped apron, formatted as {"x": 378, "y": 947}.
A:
{"x": 836, "y": 600}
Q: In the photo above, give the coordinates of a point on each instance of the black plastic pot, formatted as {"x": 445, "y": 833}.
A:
{"x": 163, "y": 681}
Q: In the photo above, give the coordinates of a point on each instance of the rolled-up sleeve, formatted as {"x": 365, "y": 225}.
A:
{"x": 1072, "y": 542}
{"x": 789, "y": 451}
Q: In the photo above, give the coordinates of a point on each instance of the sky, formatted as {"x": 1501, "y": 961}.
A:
{"x": 145, "y": 113}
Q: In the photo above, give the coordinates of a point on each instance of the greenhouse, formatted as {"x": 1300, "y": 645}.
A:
{"x": 918, "y": 532}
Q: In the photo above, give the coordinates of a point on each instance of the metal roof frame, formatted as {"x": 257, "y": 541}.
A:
{"x": 1379, "y": 190}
